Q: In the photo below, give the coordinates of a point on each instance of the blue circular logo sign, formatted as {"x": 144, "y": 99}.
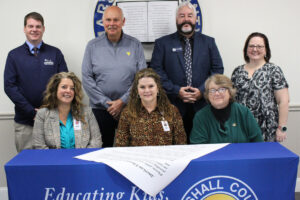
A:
{"x": 103, "y": 4}
{"x": 220, "y": 188}
{"x": 199, "y": 15}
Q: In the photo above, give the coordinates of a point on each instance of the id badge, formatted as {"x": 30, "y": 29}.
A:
{"x": 76, "y": 125}
{"x": 165, "y": 126}
{"x": 177, "y": 49}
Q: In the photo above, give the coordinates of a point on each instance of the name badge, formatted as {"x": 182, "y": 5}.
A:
{"x": 48, "y": 62}
{"x": 178, "y": 49}
{"x": 76, "y": 125}
{"x": 165, "y": 126}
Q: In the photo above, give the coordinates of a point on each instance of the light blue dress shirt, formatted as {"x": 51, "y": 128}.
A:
{"x": 32, "y": 46}
{"x": 67, "y": 136}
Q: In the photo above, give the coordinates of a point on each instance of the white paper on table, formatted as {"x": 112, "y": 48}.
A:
{"x": 151, "y": 168}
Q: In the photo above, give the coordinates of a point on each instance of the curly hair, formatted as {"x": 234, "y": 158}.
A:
{"x": 134, "y": 105}
{"x": 50, "y": 100}
{"x": 222, "y": 81}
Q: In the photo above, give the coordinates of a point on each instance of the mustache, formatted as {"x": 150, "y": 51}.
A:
{"x": 111, "y": 26}
{"x": 184, "y": 23}
{"x": 179, "y": 27}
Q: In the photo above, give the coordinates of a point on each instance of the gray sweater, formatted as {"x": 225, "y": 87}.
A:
{"x": 108, "y": 69}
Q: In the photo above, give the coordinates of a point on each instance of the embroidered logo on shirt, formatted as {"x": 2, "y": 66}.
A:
{"x": 48, "y": 62}
{"x": 128, "y": 53}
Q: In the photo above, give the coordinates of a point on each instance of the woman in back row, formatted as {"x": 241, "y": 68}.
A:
{"x": 262, "y": 87}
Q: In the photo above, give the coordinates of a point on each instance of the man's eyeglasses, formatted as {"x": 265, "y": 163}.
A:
{"x": 259, "y": 47}
{"x": 221, "y": 90}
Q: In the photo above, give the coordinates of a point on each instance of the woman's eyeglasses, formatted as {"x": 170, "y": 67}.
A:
{"x": 221, "y": 90}
{"x": 259, "y": 47}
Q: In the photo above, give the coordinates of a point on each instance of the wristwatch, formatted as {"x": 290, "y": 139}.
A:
{"x": 282, "y": 128}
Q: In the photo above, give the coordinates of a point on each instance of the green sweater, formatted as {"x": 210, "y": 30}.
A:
{"x": 239, "y": 128}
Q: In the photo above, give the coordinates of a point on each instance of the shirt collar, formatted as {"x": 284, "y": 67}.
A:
{"x": 31, "y": 46}
{"x": 121, "y": 37}
{"x": 181, "y": 37}
{"x": 144, "y": 110}
{"x": 69, "y": 120}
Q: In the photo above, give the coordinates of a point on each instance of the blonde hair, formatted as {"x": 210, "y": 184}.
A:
{"x": 50, "y": 100}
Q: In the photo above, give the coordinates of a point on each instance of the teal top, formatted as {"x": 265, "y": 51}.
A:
{"x": 67, "y": 137}
{"x": 240, "y": 127}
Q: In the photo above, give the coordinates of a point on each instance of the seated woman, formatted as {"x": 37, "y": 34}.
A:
{"x": 223, "y": 120}
{"x": 63, "y": 121}
{"x": 149, "y": 118}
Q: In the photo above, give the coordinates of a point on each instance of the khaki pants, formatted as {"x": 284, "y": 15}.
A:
{"x": 23, "y": 136}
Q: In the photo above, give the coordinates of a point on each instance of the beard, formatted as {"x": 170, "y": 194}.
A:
{"x": 185, "y": 31}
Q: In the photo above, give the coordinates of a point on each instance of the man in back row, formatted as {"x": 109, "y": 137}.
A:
{"x": 108, "y": 69}
{"x": 184, "y": 60}
{"x": 27, "y": 71}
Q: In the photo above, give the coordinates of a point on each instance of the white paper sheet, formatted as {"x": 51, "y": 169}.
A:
{"x": 148, "y": 21}
{"x": 136, "y": 19}
{"x": 151, "y": 168}
{"x": 161, "y": 19}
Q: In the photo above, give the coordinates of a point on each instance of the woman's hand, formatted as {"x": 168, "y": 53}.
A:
{"x": 280, "y": 136}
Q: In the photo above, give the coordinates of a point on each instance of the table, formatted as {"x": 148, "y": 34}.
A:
{"x": 244, "y": 171}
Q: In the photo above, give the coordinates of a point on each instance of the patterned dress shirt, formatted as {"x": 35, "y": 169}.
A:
{"x": 147, "y": 129}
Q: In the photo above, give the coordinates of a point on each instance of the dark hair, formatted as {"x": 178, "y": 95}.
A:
{"x": 267, "y": 46}
{"x": 34, "y": 15}
{"x": 134, "y": 104}
{"x": 50, "y": 100}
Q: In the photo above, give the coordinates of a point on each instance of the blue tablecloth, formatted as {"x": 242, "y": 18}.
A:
{"x": 265, "y": 171}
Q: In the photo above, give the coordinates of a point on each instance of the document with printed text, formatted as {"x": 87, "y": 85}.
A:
{"x": 148, "y": 21}
{"x": 151, "y": 168}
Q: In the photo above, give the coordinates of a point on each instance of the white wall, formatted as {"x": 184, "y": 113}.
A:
{"x": 69, "y": 26}
{"x": 231, "y": 21}
{"x": 7, "y": 146}
{"x": 68, "y": 23}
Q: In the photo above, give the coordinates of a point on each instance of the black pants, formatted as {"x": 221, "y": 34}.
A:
{"x": 188, "y": 120}
{"x": 107, "y": 125}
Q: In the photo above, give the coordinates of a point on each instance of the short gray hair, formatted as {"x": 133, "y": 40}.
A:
{"x": 186, "y": 4}
{"x": 222, "y": 81}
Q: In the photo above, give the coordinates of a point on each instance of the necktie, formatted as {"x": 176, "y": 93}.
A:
{"x": 188, "y": 61}
{"x": 35, "y": 51}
